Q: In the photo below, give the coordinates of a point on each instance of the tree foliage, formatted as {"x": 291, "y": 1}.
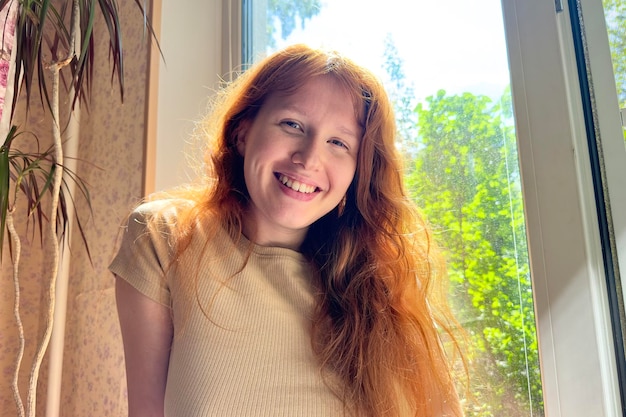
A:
{"x": 615, "y": 13}
{"x": 402, "y": 95}
{"x": 284, "y": 15}
{"x": 464, "y": 175}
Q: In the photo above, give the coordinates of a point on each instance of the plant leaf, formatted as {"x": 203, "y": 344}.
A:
{"x": 33, "y": 19}
{"x": 4, "y": 185}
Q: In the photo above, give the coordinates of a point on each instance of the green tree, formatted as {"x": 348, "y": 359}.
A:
{"x": 284, "y": 15}
{"x": 465, "y": 178}
{"x": 402, "y": 94}
{"x": 615, "y": 14}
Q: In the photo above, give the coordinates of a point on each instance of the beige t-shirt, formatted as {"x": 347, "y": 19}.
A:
{"x": 252, "y": 356}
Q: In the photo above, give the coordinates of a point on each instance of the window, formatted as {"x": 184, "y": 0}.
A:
{"x": 595, "y": 97}
{"x": 449, "y": 79}
{"x": 576, "y": 343}
{"x": 557, "y": 241}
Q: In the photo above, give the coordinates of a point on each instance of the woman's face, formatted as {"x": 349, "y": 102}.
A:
{"x": 300, "y": 156}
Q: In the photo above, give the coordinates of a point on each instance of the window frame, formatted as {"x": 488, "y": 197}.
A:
{"x": 609, "y": 123}
{"x": 573, "y": 319}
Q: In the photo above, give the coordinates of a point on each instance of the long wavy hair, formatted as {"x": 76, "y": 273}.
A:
{"x": 381, "y": 323}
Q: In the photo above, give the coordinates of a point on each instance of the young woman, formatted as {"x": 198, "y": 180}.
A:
{"x": 298, "y": 279}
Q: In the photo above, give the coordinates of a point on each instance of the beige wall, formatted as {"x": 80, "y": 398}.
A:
{"x": 195, "y": 59}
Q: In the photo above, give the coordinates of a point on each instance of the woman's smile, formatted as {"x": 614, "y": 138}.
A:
{"x": 296, "y": 185}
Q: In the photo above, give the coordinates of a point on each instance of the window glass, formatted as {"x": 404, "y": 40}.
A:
{"x": 445, "y": 67}
{"x": 615, "y": 15}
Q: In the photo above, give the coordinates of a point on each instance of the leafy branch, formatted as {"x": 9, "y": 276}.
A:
{"x": 31, "y": 174}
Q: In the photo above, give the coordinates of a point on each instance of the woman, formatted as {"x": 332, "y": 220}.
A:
{"x": 297, "y": 278}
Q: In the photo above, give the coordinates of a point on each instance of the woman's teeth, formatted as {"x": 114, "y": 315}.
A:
{"x": 296, "y": 185}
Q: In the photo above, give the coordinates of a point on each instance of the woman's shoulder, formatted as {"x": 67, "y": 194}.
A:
{"x": 160, "y": 216}
{"x": 164, "y": 209}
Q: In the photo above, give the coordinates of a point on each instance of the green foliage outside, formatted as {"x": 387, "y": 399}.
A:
{"x": 615, "y": 14}
{"x": 462, "y": 170}
{"x": 465, "y": 179}
{"x": 284, "y": 15}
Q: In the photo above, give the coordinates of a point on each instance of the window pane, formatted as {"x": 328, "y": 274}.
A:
{"x": 445, "y": 67}
{"x": 615, "y": 14}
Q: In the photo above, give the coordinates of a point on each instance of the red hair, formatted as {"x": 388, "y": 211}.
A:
{"x": 382, "y": 307}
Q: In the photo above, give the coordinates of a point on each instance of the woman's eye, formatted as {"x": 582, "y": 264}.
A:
{"x": 292, "y": 124}
{"x": 339, "y": 143}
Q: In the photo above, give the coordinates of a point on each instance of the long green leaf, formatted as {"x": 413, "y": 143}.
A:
{"x": 32, "y": 175}
{"x": 36, "y": 18}
{"x": 4, "y": 192}
{"x": 5, "y": 174}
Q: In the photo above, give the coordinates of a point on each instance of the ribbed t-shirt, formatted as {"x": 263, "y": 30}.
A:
{"x": 250, "y": 354}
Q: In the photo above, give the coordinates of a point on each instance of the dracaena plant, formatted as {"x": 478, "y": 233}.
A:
{"x": 53, "y": 49}
{"x": 29, "y": 175}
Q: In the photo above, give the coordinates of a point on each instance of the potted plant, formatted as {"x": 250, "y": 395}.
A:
{"x": 47, "y": 53}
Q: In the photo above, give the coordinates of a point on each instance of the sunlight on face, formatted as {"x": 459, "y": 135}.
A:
{"x": 300, "y": 157}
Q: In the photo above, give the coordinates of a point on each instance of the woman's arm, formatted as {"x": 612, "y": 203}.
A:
{"x": 147, "y": 334}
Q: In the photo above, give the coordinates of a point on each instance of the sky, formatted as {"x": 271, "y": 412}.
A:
{"x": 455, "y": 45}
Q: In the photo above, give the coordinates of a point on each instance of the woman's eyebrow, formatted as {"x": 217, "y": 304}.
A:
{"x": 287, "y": 105}
{"x": 349, "y": 132}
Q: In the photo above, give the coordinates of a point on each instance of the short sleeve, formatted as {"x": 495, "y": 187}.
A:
{"x": 145, "y": 251}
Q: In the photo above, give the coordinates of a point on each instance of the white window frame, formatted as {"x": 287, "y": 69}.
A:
{"x": 610, "y": 123}
{"x": 573, "y": 322}
{"x": 200, "y": 40}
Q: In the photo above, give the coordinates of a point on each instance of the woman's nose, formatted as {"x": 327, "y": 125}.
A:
{"x": 307, "y": 155}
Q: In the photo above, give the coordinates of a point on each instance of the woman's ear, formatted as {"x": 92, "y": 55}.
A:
{"x": 241, "y": 137}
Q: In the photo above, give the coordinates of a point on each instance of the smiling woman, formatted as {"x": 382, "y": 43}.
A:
{"x": 298, "y": 278}
{"x": 491, "y": 272}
